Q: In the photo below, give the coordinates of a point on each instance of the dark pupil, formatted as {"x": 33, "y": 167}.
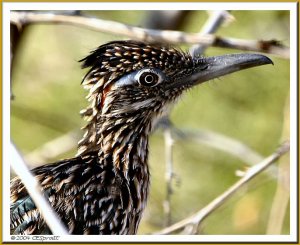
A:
{"x": 148, "y": 79}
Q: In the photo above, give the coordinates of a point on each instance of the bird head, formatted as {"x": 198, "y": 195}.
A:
{"x": 130, "y": 80}
{"x": 134, "y": 77}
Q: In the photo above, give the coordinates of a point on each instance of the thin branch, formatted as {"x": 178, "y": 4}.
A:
{"x": 219, "y": 141}
{"x": 280, "y": 203}
{"x": 191, "y": 224}
{"x": 215, "y": 21}
{"x": 266, "y": 46}
{"x": 19, "y": 166}
{"x": 281, "y": 199}
{"x": 34, "y": 190}
{"x": 212, "y": 139}
{"x": 150, "y": 35}
{"x": 169, "y": 174}
{"x": 54, "y": 148}
{"x": 212, "y": 24}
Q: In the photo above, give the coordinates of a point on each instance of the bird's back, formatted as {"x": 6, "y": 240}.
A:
{"x": 89, "y": 198}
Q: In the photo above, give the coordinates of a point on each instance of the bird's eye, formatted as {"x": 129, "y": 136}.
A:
{"x": 148, "y": 77}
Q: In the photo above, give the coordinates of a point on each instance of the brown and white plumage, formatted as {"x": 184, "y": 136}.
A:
{"x": 104, "y": 189}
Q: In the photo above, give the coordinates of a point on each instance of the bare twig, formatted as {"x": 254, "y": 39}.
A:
{"x": 150, "y": 35}
{"x": 192, "y": 223}
{"x": 200, "y": 136}
{"x": 211, "y": 26}
{"x": 281, "y": 199}
{"x": 169, "y": 174}
{"x": 266, "y": 46}
{"x": 219, "y": 141}
{"x": 224, "y": 143}
{"x": 282, "y": 195}
{"x": 53, "y": 148}
{"x": 33, "y": 189}
{"x": 216, "y": 19}
{"x": 19, "y": 166}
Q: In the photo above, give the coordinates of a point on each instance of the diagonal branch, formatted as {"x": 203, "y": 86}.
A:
{"x": 54, "y": 148}
{"x": 280, "y": 204}
{"x": 169, "y": 175}
{"x": 191, "y": 224}
{"x": 219, "y": 141}
{"x": 33, "y": 189}
{"x": 150, "y": 35}
{"x": 211, "y": 25}
{"x": 215, "y": 21}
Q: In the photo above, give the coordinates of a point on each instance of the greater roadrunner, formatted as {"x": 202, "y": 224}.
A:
{"x": 104, "y": 189}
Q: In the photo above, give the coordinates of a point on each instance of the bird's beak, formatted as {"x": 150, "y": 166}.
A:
{"x": 213, "y": 67}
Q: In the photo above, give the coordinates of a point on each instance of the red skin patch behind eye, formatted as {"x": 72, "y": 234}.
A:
{"x": 105, "y": 91}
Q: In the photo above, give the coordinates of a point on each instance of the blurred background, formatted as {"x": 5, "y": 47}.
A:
{"x": 251, "y": 106}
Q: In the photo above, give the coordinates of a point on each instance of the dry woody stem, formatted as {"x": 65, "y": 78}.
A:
{"x": 33, "y": 188}
{"x": 151, "y": 35}
{"x": 191, "y": 224}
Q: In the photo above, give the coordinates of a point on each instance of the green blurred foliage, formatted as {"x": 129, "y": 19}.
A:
{"x": 247, "y": 106}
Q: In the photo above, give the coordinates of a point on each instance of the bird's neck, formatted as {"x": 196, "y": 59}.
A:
{"x": 120, "y": 143}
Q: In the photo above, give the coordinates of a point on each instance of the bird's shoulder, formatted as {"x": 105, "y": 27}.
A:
{"x": 88, "y": 197}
